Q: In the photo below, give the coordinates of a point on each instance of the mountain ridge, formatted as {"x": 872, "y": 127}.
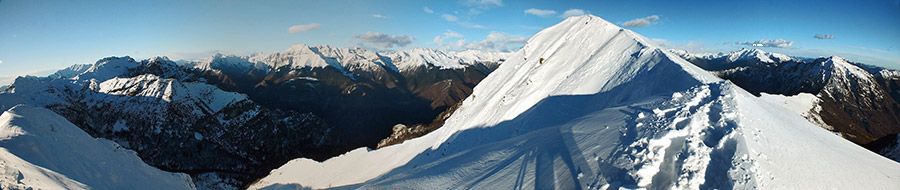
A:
{"x": 582, "y": 106}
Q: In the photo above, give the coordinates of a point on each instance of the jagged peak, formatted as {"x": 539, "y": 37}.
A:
{"x": 160, "y": 58}
{"x": 114, "y": 58}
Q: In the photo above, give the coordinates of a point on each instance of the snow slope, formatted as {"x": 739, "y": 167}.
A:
{"x": 605, "y": 109}
{"x": 42, "y": 150}
{"x": 803, "y": 104}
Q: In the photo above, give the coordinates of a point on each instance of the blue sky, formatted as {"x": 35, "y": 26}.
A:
{"x": 38, "y": 37}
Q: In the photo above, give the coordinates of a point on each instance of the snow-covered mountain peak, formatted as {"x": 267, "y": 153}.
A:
{"x": 748, "y": 54}
{"x": 229, "y": 63}
{"x": 298, "y": 49}
{"x": 424, "y": 57}
{"x": 589, "y": 105}
{"x": 581, "y": 55}
{"x": 108, "y": 68}
{"x": 729, "y": 60}
{"x": 160, "y": 59}
{"x": 842, "y": 66}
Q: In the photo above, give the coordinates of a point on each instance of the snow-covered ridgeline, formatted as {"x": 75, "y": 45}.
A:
{"x": 740, "y": 55}
{"x": 349, "y": 60}
{"x": 583, "y": 106}
{"x": 42, "y": 150}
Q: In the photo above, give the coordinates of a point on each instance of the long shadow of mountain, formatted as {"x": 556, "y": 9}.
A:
{"x": 532, "y": 147}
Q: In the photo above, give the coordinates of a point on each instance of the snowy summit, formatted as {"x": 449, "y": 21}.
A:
{"x": 587, "y": 104}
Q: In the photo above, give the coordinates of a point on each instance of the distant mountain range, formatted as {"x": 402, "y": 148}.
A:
{"x": 589, "y": 105}
{"x": 610, "y": 108}
{"x": 228, "y": 119}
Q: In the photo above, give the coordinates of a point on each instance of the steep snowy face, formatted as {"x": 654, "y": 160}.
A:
{"x": 579, "y": 56}
{"x": 42, "y": 150}
{"x": 107, "y": 68}
{"x": 587, "y": 104}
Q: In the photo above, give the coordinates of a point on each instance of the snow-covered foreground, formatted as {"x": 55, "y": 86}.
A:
{"x": 42, "y": 150}
{"x": 605, "y": 108}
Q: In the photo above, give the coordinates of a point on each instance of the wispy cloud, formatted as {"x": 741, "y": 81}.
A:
{"x": 449, "y": 34}
{"x": 384, "y": 40}
{"x": 823, "y": 36}
{"x": 470, "y": 25}
{"x": 449, "y": 17}
{"x": 478, "y": 6}
{"x": 379, "y": 16}
{"x": 300, "y": 28}
{"x": 540, "y": 12}
{"x": 641, "y": 22}
{"x": 1, "y": 61}
{"x": 574, "y": 12}
{"x": 484, "y": 3}
{"x": 779, "y": 43}
{"x": 498, "y": 41}
{"x": 693, "y": 46}
{"x": 429, "y": 11}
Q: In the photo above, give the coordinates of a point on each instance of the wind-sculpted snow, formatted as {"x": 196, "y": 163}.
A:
{"x": 42, "y": 150}
{"x": 589, "y": 105}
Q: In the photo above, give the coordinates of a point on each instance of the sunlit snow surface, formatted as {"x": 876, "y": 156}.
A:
{"x": 41, "y": 150}
{"x": 605, "y": 109}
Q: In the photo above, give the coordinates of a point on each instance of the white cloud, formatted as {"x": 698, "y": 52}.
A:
{"x": 1, "y": 61}
{"x": 539, "y": 12}
{"x": 641, "y": 22}
{"x": 470, "y": 25}
{"x": 573, "y": 12}
{"x": 779, "y": 43}
{"x": 497, "y": 41}
{"x": 452, "y": 34}
{"x": 494, "y": 41}
{"x": 693, "y": 46}
{"x": 449, "y": 34}
{"x": 449, "y": 17}
{"x": 378, "y": 16}
{"x": 823, "y": 36}
{"x": 429, "y": 11}
{"x": 300, "y": 28}
{"x": 384, "y": 40}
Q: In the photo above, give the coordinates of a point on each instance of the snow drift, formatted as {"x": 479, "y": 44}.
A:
{"x": 41, "y": 150}
{"x": 606, "y": 108}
